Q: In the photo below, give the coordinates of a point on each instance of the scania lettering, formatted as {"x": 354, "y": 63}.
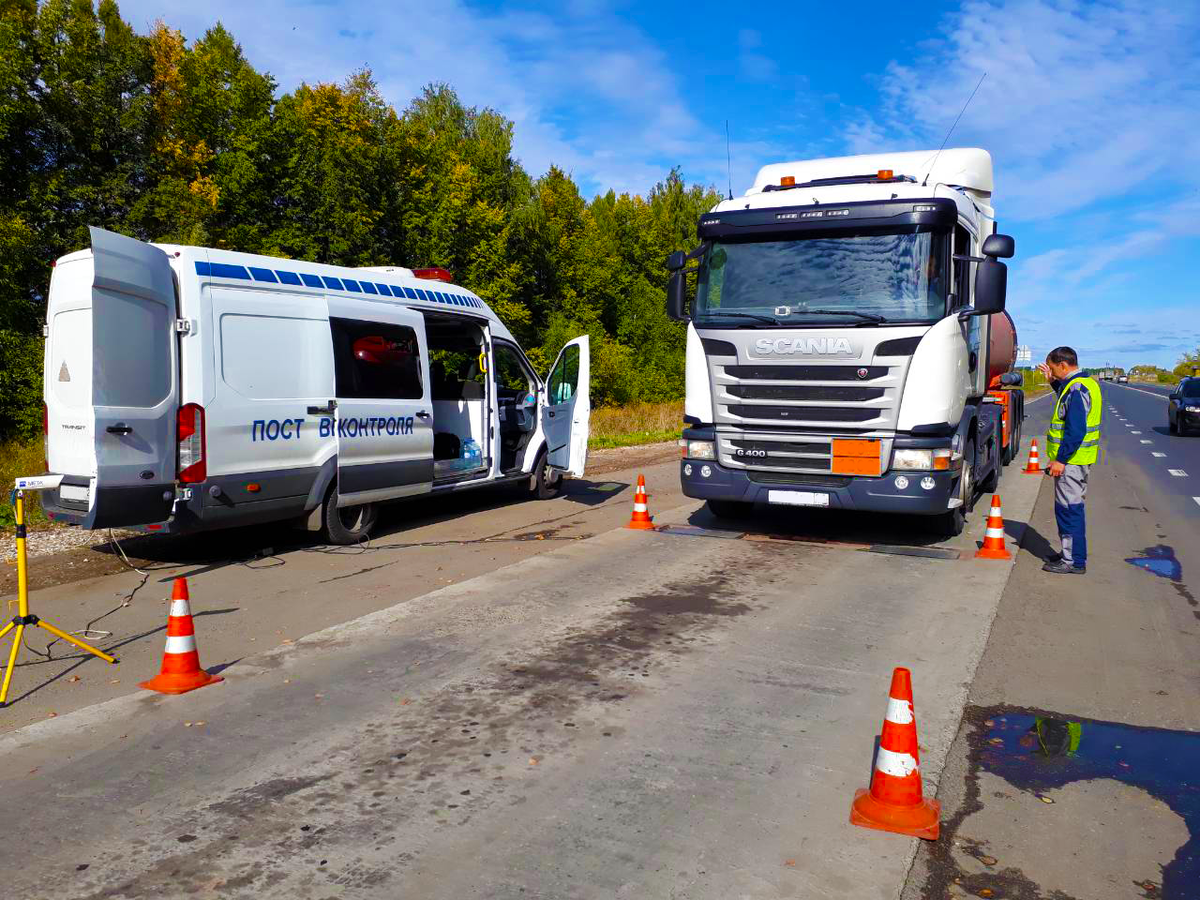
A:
{"x": 190, "y": 388}
{"x": 847, "y": 345}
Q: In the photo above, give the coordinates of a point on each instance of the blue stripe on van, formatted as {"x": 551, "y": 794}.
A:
{"x": 352, "y": 285}
{"x": 421, "y": 295}
{"x": 382, "y": 288}
{"x": 335, "y": 283}
{"x": 288, "y": 277}
{"x": 202, "y": 268}
{"x": 311, "y": 280}
{"x": 368, "y": 287}
{"x": 408, "y": 292}
{"x": 263, "y": 275}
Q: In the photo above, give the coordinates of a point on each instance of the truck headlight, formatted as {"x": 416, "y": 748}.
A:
{"x": 698, "y": 449}
{"x": 920, "y": 459}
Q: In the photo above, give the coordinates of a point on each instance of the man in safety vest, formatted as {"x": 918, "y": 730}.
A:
{"x": 1072, "y": 446}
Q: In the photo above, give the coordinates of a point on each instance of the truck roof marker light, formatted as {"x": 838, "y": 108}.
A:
{"x": 886, "y": 175}
{"x": 787, "y": 181}
{"x": 434, "y": 273}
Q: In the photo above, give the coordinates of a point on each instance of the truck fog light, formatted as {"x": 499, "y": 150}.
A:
{"x": 705, "y": 471}
{"x": 927, "y": 483}
{"x": 901, "y": 482}
{"x": 687, "y": 470}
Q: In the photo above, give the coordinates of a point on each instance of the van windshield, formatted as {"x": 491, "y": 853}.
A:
{"x": 899, "y": 277}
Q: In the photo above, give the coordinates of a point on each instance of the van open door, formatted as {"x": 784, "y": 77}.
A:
{"x": 567, "y": 409}
{"x": 134, "y": 375}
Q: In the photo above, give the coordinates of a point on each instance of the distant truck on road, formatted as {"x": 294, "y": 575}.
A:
{"x": 847, "y": 345}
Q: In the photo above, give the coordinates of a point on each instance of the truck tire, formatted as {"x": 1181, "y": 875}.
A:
{"x": 544, "y": 483}
{"x": 951, "y": 523}
{"x": 727, "y": 509}
{"x": 347, "y": 524}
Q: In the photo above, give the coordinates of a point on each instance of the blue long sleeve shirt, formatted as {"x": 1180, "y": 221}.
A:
{"x": 1075, "y": 416}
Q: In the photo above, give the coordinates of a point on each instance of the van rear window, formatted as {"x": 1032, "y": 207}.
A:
{"x": 376, "y": 360}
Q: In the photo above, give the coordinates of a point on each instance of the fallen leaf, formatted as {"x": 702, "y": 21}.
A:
{"x": 985, "y": 892}
{"x": 1045, "y": 799}
{"x": 51, "y": 715}
{"x": 201, "y": 723}
{"x": 318, "y": 696}
{"x": 996, "y": 741}
{"x": 405, "y": 702}
{"x": 115, "y": 681}
{"x": 73, "y": 678}
{"x": 287, "y": 641}
{"x": 533, "y": 760}
{"x": 790, "y": 862}
{"x": 187, "y": 724}
{"x": 988, "y": 860}
{"x": 34, "y": 769}
{"x": 287, "y": 681}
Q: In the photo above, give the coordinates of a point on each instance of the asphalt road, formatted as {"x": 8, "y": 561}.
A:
{"x": 615, "y": 714}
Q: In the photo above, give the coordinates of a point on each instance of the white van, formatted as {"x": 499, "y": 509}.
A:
{"x": 189, "y": 388}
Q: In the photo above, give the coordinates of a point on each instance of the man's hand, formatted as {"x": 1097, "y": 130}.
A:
{"x": 1055, "y": 469}
{"x": 1045, "y": 370}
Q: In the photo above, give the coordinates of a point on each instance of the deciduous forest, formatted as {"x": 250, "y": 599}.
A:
{"x": 175, "y": 138}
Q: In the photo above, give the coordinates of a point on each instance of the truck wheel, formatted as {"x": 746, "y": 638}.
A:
{"x": 348, "y": 524}
{"x": 544, "y": 483}
{"x": 727, "y": 509}
{"x": 952, "y": 522}
{"x": 993, "y": 479}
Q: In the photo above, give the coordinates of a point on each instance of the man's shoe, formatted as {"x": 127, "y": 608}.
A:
{"x": 1061, "y": 568}
{"x": 1053, "y": 557}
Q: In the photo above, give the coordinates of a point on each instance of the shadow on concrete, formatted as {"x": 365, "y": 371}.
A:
{"x": 828, "y": 526}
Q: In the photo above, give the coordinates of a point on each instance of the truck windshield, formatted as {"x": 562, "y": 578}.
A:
{"x": 860, "y": 278}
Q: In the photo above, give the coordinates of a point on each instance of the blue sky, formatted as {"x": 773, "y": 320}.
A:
{"x": 1091, "y": 112}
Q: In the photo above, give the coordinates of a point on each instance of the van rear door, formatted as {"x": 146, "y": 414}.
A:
{"x": 567, "y": 410}
{"x": 134, "y": 375}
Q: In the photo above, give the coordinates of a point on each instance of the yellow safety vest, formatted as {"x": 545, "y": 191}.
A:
{"x": 1089, "y": 450}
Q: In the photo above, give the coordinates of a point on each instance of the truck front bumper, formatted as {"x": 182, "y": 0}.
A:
{"x": 858, "y": 493}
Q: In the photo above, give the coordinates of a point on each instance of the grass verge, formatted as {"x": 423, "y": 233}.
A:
{"x": 638, "y": 423}
{"x": 20, "y": 458}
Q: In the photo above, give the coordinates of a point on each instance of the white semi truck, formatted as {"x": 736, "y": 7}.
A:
{"x": 847, "y": 345}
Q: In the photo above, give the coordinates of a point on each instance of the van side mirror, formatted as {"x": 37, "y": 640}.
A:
{"x": 999, "y": 246}
{"x": 991, "y": 286}
{"x": 676, "y": 260}
{"x": 677, "y": 296}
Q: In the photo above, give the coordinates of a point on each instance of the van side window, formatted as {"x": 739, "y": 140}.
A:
{"x": 375, "y": 360}
{"x": 564, "y": 380}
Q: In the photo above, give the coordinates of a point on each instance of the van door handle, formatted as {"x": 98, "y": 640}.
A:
{"x": 550, "y": 413}
{"x": 422, "y": 414}
{"x": 323, "y": 410}
{"x": 119, "y": 428}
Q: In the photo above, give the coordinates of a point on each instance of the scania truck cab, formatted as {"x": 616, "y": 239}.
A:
{"x": 838, "y": 338}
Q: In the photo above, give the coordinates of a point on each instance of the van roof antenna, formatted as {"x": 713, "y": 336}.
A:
{"x": 951, "y": 131}
{"x": 728, "y": 160}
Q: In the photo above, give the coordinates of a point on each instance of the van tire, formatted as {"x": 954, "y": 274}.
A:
{"x": 544, "y": 484}
{"x": 349, "y": 524}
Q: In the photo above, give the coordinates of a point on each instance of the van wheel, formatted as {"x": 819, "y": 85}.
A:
{"x": 348, "y": 524}
{"x": 544, "y": 483}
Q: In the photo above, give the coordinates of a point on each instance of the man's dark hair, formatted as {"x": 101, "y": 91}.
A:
{"x": 1062, "y": 355}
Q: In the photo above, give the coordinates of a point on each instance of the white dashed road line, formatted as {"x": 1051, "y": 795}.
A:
{"x": 1135, "y": 432}
{"x": 1144, "y": 391}
{"x": 1178, "y": 473}
{"x": 1159, "y": 455}
{"x": 1147, "y": 442}
{"x": 1197, "y": 499}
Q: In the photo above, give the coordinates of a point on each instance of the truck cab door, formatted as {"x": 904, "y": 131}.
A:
{"x": 134, "y": 374}
{"x": 383, "y": 410}
{"x": 567, "y": 408}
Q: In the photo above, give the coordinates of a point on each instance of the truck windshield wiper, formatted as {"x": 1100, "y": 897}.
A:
{"x": 870, "y": 317}
{"x": 740, "y": 315}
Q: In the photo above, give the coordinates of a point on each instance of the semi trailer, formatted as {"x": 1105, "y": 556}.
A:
{"x": 847, "y": 342}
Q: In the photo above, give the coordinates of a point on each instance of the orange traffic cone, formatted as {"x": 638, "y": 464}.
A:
{"x": 181, "y": 670}
{"x": 894, "y": 801}
{"x": 993, "y": 539}
{"x": 641, "y": 518}
{"x": 1034, "y": 466}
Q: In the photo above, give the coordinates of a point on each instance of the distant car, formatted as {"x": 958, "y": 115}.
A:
{"x": 1183, "y": 408}
{"x": 1122, "y": 379}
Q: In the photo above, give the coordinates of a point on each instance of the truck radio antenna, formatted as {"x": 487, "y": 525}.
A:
{"x": 728, "y": 160}
{"x": 951, "y": 131}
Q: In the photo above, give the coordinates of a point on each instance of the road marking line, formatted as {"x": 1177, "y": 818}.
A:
{"x": 1135, "y": 432}
{"x": 1151, "y": 393}
{"x": 1147, "y": 442}
{"x": 1178, "y": 473}
{"x": 1197, "y": 499}
{"x": 1159, "y": 455}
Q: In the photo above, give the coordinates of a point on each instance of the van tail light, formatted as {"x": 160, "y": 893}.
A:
{"x": 434, "y": 273}
{"x": 45, "y": 437}
{"x": 192, "y": 465}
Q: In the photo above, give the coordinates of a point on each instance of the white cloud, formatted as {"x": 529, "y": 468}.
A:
{"x": 1081, "y": 104}
{"x": 755, "y": 65}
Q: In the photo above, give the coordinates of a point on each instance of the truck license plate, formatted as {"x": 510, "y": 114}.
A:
{"x": 798, "y": 498}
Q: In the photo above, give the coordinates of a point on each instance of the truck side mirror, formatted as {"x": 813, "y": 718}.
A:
{"x": 999, "y": 246}
{"x": 676, "y": 260}
{"x": 991, "y": 286}
{"x": 677, "y": 296}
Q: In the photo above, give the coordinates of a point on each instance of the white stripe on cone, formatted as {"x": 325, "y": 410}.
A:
{"x": 179, "y": 607}
{"x": 639, "y": 507}
{"x": 181, "y": 643}
{"x": 899, "y": 712}
{"x": 995, "y": 532}
{"x": 900, "y": 765}
{"x": 995, "y": 513}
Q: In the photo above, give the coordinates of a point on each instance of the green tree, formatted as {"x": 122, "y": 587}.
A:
{"x": 1188, "y": 364}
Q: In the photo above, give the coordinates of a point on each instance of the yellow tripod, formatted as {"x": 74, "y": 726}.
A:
{"x": 24, "y": 617}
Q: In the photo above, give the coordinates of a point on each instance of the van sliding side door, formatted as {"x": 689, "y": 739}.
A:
{"x": 134, "y": 382}
{"x": 384, "y": 417}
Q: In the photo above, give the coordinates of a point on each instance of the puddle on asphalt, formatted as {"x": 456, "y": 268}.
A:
{"x": 1042, "y": 753}
{"x": 1160, "y": 560}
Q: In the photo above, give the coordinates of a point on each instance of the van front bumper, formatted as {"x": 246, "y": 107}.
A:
{"x": 844, "y": 492}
